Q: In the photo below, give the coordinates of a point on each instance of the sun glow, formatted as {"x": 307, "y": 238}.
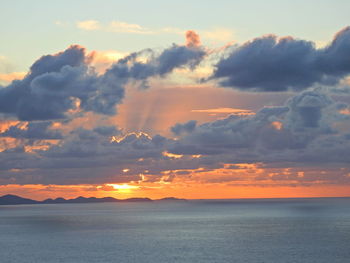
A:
{"x": 124, "y": 188}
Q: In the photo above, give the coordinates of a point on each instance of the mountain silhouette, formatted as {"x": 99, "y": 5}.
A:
{"x": 17, "y": 200}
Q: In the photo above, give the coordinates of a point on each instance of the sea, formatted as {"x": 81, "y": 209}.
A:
{"x": 248, "y": 230}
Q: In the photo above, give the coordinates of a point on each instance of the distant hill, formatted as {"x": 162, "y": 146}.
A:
{"x": 17, "y": 200}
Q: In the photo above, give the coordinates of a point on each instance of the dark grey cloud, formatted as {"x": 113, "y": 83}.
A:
{"x": 53, "y": 85}
{"x": 279, "y": 64}
{"x": 159, "y": 64}
{"x": 179, "y": 56}
{"x": 84, "y": 156}
{"x": 180, "y": 128}
{"x": 273, "y": 134}
{"x": 107, "y": 130}
{"x": 308, "y": 131}
{"x": 57, "y": 84}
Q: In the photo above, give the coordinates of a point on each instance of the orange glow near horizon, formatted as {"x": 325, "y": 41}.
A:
{"x": 189, "y": 191}
{"x": 231, "y": 181}
{"x": 242, "y": 180}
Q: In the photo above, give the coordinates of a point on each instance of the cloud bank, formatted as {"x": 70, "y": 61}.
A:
{"x": 308, "y": 131}
{"x": 304, "y": 141}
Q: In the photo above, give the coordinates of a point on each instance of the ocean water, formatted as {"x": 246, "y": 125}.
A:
{"x": 274, "y": 230}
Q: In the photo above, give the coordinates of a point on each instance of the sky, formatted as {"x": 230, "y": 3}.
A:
{"x": 192, "y": 99}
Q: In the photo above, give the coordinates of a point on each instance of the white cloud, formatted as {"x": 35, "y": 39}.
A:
{"x": 123, "y": 27}
{"x": 89, "y": 25}
{"x": 215, "y": 35}
{"x": 113, "y": 26}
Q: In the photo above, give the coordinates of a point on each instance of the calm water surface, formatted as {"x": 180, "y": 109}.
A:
{"x": 281, "y": 231}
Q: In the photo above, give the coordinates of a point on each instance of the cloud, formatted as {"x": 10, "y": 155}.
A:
{"x": 113, "y": 26}
{"x": 83, "y": 156}
{"x": 215, "y": 35}
{"x": 89, "y": 25}
{"x": 270, "y": 63}
{"x": 192, "y": 39}
{"x": 183, "y": 128}
{"x": 60, "y": 85}
{"x": 179, "y": 56}
{"x": 174, "y": 57}
{"x": 33, "y": 130}
{"x": 296, "y": 143}
{"x": 107, "y": 130}
{"x": 273, "y": 134}
{"x": 123, "y": 27}
{"x": 41, "y": 94}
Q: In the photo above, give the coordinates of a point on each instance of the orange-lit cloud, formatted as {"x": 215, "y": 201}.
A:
{"x": 172, "y": 155}
{"x": 192, "y": 39}
{"x": 345, "y": 111}
{"x": 5, "y": 124}
{"x": 8, "y": 143}
{"x": 277, "y": 125}
{"x": 136, "y": 134}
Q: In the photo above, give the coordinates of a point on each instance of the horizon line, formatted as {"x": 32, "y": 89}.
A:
{"x": 181, "y": 198}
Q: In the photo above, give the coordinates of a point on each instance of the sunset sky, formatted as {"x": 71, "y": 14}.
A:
{"x": 192, "y": 99}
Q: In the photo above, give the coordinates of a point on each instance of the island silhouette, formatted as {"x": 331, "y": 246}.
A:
{"x": 10, "y": 199}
